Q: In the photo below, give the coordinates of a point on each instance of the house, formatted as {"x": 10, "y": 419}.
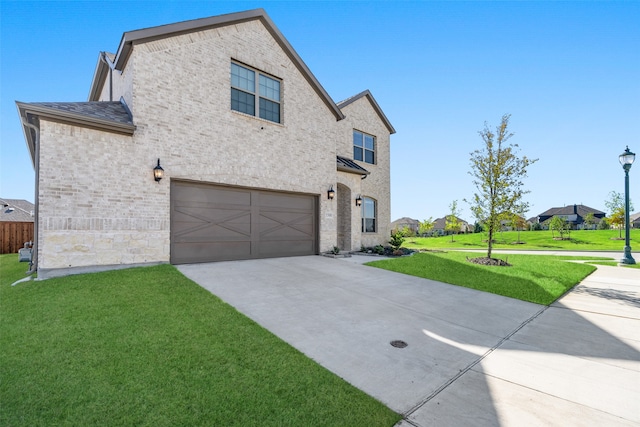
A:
{"x": 439, "y": 226}
{"x": 201, "y": 141}
{"x": 16, "y": 224}
{"x": 573, "y": 214}
{"x": 634, "y": 220}
{"x": 410, "y": 223}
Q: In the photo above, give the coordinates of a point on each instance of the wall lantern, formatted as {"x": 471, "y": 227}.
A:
{"x": 358, "y": 201}
{"x": 158, "y": 172}
{"x": 331, "y": 193}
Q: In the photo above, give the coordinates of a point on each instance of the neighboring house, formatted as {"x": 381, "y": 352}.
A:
{"x": 439, "y": 226}
{"x": 410, "y": 223}
{"x": 573, "y": 214}
{"x": 16, "y": 224}
{"x": 634, "y": 220}
{"x": 257, "y": 159}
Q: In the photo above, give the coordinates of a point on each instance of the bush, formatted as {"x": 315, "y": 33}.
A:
{"x": 379, "y": 250}
{"x": 603, "y": 224}
{"x": 397, "y": 239}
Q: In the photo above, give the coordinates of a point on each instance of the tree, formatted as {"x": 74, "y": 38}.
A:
{"x": 616, "y": 207}
{"x": 452, "y": 223}
{"x": 588, "y": 220}
{"x": 425, "y": 226}
{"x": 498, "y": 173}
{"x": 517, "y": 222}
{"x": 558, "y": 224}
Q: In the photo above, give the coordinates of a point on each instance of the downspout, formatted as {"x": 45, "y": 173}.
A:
{"x": 33, "y": 265}
{"x": 103, "y": 57}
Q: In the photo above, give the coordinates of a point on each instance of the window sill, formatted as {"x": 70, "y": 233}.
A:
{"x": 256, "y": 118}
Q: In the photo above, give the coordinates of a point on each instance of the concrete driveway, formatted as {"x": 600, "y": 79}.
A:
{"x": 472, "y": 358}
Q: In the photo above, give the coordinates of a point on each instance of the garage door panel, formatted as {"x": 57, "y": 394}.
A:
{"x": 215, "y": 223}
{"x": 193, "y": 252}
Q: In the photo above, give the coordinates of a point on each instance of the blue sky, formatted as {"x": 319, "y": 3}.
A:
{"x": 567, "y": 72}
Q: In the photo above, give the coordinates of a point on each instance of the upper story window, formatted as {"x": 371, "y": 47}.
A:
{"x": 246, "y": 84}
{"x": 368, "y": 215}
{"x": 364, "y": 147}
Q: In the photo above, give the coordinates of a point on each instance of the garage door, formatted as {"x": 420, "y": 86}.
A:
{"x": 219, "y": 223}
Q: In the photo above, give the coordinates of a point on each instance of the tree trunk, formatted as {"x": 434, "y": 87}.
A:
{"x": 490, "y": 246}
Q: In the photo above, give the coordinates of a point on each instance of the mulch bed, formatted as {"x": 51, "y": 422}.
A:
{"x": 489, "y": 261}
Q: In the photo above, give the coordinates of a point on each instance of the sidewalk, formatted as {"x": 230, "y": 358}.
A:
{"x": 577, "y": 363}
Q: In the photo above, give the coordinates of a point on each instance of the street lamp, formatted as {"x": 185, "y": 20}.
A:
{"x": 626, "y": 159}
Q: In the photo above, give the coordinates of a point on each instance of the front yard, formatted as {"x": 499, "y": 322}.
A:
{"x": 148, "y": 347}
{"x": 535, "y": 278}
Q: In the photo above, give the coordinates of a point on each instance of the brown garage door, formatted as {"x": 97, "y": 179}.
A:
{"x": 218, "y": 223}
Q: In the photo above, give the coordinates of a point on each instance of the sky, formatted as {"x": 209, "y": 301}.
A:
{"x": 567, "y": 72}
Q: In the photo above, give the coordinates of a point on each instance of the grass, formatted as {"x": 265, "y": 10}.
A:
{"x": 539, "y": 279}
{"x": 148, "y": 347}
{"x": 581, "y": 240}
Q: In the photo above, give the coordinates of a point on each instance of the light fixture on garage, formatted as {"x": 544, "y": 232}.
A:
{"x": 331, "y": 193}
{"x": 158, "y": 172}
{"x": 358, "y": 201}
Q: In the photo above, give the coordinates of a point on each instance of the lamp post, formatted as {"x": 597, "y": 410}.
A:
{"x": 626, "y": 159}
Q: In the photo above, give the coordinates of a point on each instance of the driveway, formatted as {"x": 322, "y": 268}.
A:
{"x": 471, "y": 357}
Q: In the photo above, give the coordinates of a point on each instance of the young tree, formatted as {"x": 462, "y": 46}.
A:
{"x": 425, "y": 226}
{"x": 558, "y": 224}
{"x": 615, "y": 204}
{"x": 588, "y": 221}
{"x": 452, "y": 223}
{"x": 498, "y": 173}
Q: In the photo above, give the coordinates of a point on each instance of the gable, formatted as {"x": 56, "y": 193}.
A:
{"x": 133, "y": 38}
{"x": 366, "y": 95}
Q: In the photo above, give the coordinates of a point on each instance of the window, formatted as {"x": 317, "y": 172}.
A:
{"x": 364, "y": 147}
{"x": 243, "y": 93}
{"x": 368, "y": 215}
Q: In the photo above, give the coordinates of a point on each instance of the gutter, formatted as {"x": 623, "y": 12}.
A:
{"x": 33, "y": 264}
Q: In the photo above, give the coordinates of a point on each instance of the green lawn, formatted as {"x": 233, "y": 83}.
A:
{"x": 148, "y": 347}
{"x": 581, "y": 240}
{"x": 535, "y": 278}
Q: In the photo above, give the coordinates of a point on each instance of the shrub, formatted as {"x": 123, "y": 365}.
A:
{"x": 397, "y": 239}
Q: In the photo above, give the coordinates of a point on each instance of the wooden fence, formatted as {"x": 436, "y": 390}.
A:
{"x": 13, "y": 235}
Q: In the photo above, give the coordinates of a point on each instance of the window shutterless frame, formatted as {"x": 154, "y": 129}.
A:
{"x": 369, "y": 212}
{"x": 364, "y": 147}
{"x": 247, "y": 84}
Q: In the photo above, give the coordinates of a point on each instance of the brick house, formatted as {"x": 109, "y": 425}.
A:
{"x": 258, "y": 160}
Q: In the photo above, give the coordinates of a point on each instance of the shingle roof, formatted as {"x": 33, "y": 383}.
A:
{"x": 348, "y": 165}
{"x": 108, "y": 111}
{"x": 16, "y": 210}
{"x": 581, "y": 210}
{"x": 105, "y": 116}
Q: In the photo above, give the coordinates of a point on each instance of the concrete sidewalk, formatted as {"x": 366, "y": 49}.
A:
{"x": 472, "y": 358}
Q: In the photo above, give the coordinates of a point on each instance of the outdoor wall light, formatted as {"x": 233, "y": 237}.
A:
{"x": 358, "y": 201}
{"x": 331, "y": 193}
{"x": 626, "y": 159}
{"x": 158, "y": 172}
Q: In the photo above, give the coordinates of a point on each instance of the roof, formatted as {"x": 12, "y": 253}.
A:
{"x": 106, "y": 116}
{"x": 440, "y": 223}
{"x": 132, "y": 38}
{"x": 16, "y": 210}
{"x": 374, "y": 104}
{"x": 406, "y": 220}
{"x": 581, "y": 210}
{"x": 348, "y": 165}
